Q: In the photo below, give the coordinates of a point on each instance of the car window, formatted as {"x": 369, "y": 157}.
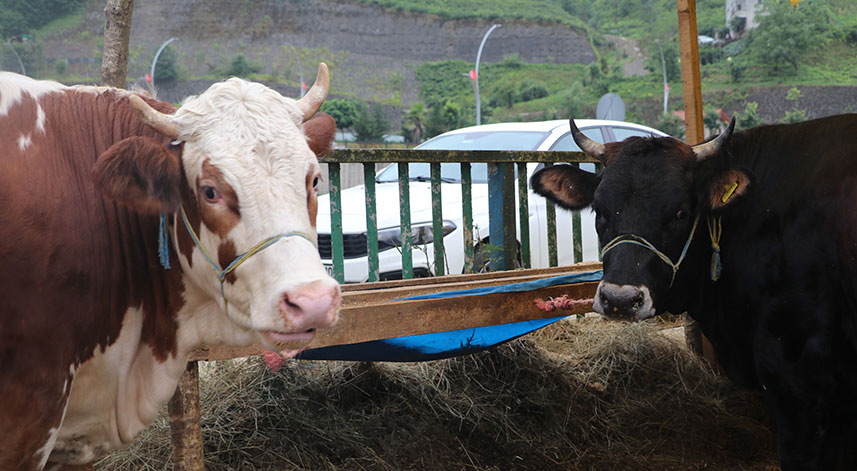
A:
{"x": 566, "y": 142}
{"x": 623, "y": 133}
{"x": 492, "y": 140}
{"x": 421, "y": 171}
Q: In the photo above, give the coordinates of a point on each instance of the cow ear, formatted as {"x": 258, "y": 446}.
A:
{"x": 565, "y": 185}
{"x": 726, "y": 188}
{"x": 320, "y": 131}
{"x": 141, "y": 173}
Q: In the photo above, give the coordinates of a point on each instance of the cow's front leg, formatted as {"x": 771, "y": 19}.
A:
{"x": 798, "y": 381}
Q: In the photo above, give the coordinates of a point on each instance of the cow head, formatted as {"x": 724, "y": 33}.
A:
{"x": 651, "y": 200}
{"x": 237, "y": 173}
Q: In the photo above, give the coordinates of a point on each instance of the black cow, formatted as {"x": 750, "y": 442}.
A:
{"x": 754, "y": 234}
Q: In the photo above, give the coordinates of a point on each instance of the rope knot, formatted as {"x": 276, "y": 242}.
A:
{"x": 715, "y": 230}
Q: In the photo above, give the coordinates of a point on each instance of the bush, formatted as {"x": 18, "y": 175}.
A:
{"x": 749, "y": 118}
{"x": 736, "y": 70}
{"x": 240, "y": 67}
{"x": 532, "y": 91}
{"x": 60, "y": 66}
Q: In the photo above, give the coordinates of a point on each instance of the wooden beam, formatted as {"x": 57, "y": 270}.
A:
{"x": 690, "y": 76}
{"x": 185, "y": 425}
{"x": 368, "y": 315}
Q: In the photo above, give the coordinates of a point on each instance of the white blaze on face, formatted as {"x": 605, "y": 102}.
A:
{"x": 248, "y": 163}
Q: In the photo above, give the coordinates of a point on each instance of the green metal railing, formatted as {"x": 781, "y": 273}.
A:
{"x": 501, "y": 182}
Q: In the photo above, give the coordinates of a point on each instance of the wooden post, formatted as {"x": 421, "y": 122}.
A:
{"x": 117, "y": 31}
{"x": 692, "y": 87}
{"x": 185, "y": 422}
{"x": 690, "y": 77}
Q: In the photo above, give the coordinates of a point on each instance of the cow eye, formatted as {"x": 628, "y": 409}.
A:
{"x": 681, "y": 214}
{"x": 210, "y": 193}
{"x": 315, "y": 182}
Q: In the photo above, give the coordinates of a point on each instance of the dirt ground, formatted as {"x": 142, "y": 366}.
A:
{"x": 579, "y": 395}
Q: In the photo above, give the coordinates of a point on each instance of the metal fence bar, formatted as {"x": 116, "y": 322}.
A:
{"x": 371, "y": 221}
{"x": 337, "y": 249}
{"x": 506, "y": 236}
{"x": 576, "y": 232}
{"x": 550, "y": 216}
{"x": 524, "y": 214}
{"x": 492, "y": 156}
{"x": 501, "y": 216}
{"x": 405, "y": 221}
{"x": 437, "y": 219}
{"x": 467, "y": 213}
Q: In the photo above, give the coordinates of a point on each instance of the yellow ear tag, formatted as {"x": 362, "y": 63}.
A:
{"x": 729, "y": 192}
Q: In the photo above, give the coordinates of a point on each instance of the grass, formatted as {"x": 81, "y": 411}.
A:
{"x": 578, "y": 395}
{"x": 543, "y": 10}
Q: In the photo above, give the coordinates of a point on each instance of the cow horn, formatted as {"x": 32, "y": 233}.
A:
{"x": 592, "y": 148}
{"x": 710, "y": 148}
{"x": 311, "y": 102}
{"x": 161, "y": 122}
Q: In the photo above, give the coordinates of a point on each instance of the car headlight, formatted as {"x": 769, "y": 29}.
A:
{"x": 420, "y": 234}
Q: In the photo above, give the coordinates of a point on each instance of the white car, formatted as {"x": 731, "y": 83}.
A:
{"x": 544, "y": 135}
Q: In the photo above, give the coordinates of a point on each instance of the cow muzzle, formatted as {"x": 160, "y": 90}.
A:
{"x": 623, "y": 302}
{"x": 303, "y": 310}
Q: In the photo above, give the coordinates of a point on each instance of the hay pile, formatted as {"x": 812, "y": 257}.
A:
{"x": 584, "y": 395}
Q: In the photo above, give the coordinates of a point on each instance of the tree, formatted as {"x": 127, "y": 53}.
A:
{"x": 573, "y": 100}
{"x": 413, "y": 124}
{"x": 371, "y": 124}
{"x": 785, "y": 33}
{"x": 711, "y": 118}
{"x": 241, "y": 67}
{"x": 749, "y": 118}
{"x": 117, "y": 30}
{"x": 165, "y": 69}
{"x": 343, "y": 111}
{"x": 671, "y": 55}
{"x": 443, "y": 118}
{"x": 671, "y": 124}
{"x": 794, "y": 115}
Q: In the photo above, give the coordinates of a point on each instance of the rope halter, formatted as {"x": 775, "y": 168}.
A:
{"x": 222, "y": 273}
{"x": 642, "y": 242}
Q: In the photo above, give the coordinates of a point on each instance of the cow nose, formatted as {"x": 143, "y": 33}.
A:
{"x": 621, "y": 301}
{"x": 311, "y": 305}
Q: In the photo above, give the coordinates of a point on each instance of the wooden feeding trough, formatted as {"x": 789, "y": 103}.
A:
{"x": 378, "y": 323}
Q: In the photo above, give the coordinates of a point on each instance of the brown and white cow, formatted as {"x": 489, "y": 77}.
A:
{"x": 94, "y": 331}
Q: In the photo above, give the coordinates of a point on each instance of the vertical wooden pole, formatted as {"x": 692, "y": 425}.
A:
{"x": 692, "y": 86}
{"x": 117, "y": 31}
{"x": 185, "y": 422}
{"x": 690, "y": 77}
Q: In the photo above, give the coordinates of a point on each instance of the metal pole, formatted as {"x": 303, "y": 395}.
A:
{"x": 476, "y": 81}
{"x": 664, "y": 68}
{"x": 155, "y": 61}
{"x": 300, "y": 69}
{"x": 20, "y": 62}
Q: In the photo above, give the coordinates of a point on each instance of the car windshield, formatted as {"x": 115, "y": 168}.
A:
{"x": 486, "y": 140}
{"x": 451, "y": 172}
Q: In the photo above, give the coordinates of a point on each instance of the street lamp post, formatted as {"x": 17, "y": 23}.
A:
{"x": 476, "y": 74}
{"x": 20, "y": 62}
{"x": 664, "y": 68}
{"x": 300, "y": 69}
{"x": 155, "y": 61}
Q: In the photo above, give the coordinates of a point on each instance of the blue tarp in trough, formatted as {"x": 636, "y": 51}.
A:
{"x": 451, "y": 343}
